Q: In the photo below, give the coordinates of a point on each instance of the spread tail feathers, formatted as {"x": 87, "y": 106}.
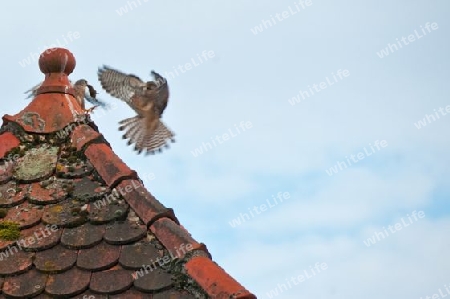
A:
{"x": 149, "y": 139}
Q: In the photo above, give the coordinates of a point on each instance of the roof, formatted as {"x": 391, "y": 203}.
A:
{"x": 77, "y": 222}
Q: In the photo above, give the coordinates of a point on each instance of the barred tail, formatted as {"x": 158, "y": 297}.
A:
{"x": 150, "y": 139}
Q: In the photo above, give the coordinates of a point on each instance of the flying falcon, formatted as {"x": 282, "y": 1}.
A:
{"x": 148, "y": 100}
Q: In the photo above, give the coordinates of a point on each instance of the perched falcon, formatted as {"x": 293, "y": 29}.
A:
{"x": 83, "y": 91}
{"x": 148, "y": 100}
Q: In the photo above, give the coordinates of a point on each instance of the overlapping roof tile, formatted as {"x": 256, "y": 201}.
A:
{"x": 77, "y": 222}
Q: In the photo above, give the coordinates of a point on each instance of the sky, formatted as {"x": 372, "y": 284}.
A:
{"x": 329, "y": 177}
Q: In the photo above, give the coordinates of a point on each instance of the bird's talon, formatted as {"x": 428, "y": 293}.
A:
{"x": 90, "y": 110}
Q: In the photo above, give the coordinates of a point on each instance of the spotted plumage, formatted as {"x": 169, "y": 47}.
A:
{"x": 148, "y": 99}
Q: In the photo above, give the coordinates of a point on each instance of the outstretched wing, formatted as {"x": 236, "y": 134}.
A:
{"x": 162, "y": 96}
{"x": 32, "y": 91}
{"x": 120, "y": 85}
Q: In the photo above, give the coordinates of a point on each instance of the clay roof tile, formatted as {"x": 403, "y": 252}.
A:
{"x": 77, "y": 222}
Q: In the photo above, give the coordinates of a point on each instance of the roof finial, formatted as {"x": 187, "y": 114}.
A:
{"x": 51, "y": 108}
{"x": 57, "y": 60}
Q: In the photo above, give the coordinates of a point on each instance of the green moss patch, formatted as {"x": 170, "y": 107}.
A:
{"x": 9, "y": 230}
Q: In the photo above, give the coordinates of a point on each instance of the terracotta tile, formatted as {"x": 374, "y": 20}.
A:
{"x": 39, "y": 237}
{"x": 7, "y": 142}
{"x": 49, "y": 112}
{"x": 173, "y": 294}
{"x": 16, "y": 261}
{"x": 42, "y": 296}
{"x": 147, "y": 207}
{"x": 137, "y": 255}
{"x": 37, "y": 163}
{"x": 111, "y": 282}
{"x": 25, "y": 285}
{"x": 90, "y": 295}
{"x": 78, "y": 169}
{"x": 153, "y": 280}
{"x": 108, "y": 208}
{"x": 26, "y": 214}
{"x": 84, "y": 236}
{"x": 87, "y": 190}
{"x": 57, "y": 284}
{"x": 12, "y": 194}
{"x": 65, "y": 214}
{"x": 56, "y": 259}
{"x": 102, "y": 256}
{"x": 4, "y": 245}
{"x": 6, "y": 171}
{"x": 131, "y": 294}
{"x": 214, "y": 280}
{"x": 124, "y": 233}
{"x": 109, "y": 166}
{"x": 117, "y": 267}
{"x": 82, "y": 135}
{"x": 49, "y": 191}
{"x": 176, "y": 239}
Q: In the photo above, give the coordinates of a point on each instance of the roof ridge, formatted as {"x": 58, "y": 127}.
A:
{"x": 41, "y": 118}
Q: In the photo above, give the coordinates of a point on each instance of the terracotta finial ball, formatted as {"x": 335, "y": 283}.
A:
{"x": 57, "y": 60}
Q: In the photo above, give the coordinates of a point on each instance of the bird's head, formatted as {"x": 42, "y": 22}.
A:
{"x": 159, "y": 80}
{"x": 81, "y": 82}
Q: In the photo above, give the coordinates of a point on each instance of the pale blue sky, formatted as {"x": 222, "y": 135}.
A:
{"x": 289, "y": 148}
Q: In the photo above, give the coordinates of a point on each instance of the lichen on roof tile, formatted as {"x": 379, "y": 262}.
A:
{"x": 49, "y": 191}
{"x": 12, "y": 194}
{"x": 37, "y": 163}
{"x": 55, "y": 260}
{"x": 69, "y": 213}
{"x": 26, "y": 215}
{"x": 85, "y": 189}
{"x": 85, "y": 224}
